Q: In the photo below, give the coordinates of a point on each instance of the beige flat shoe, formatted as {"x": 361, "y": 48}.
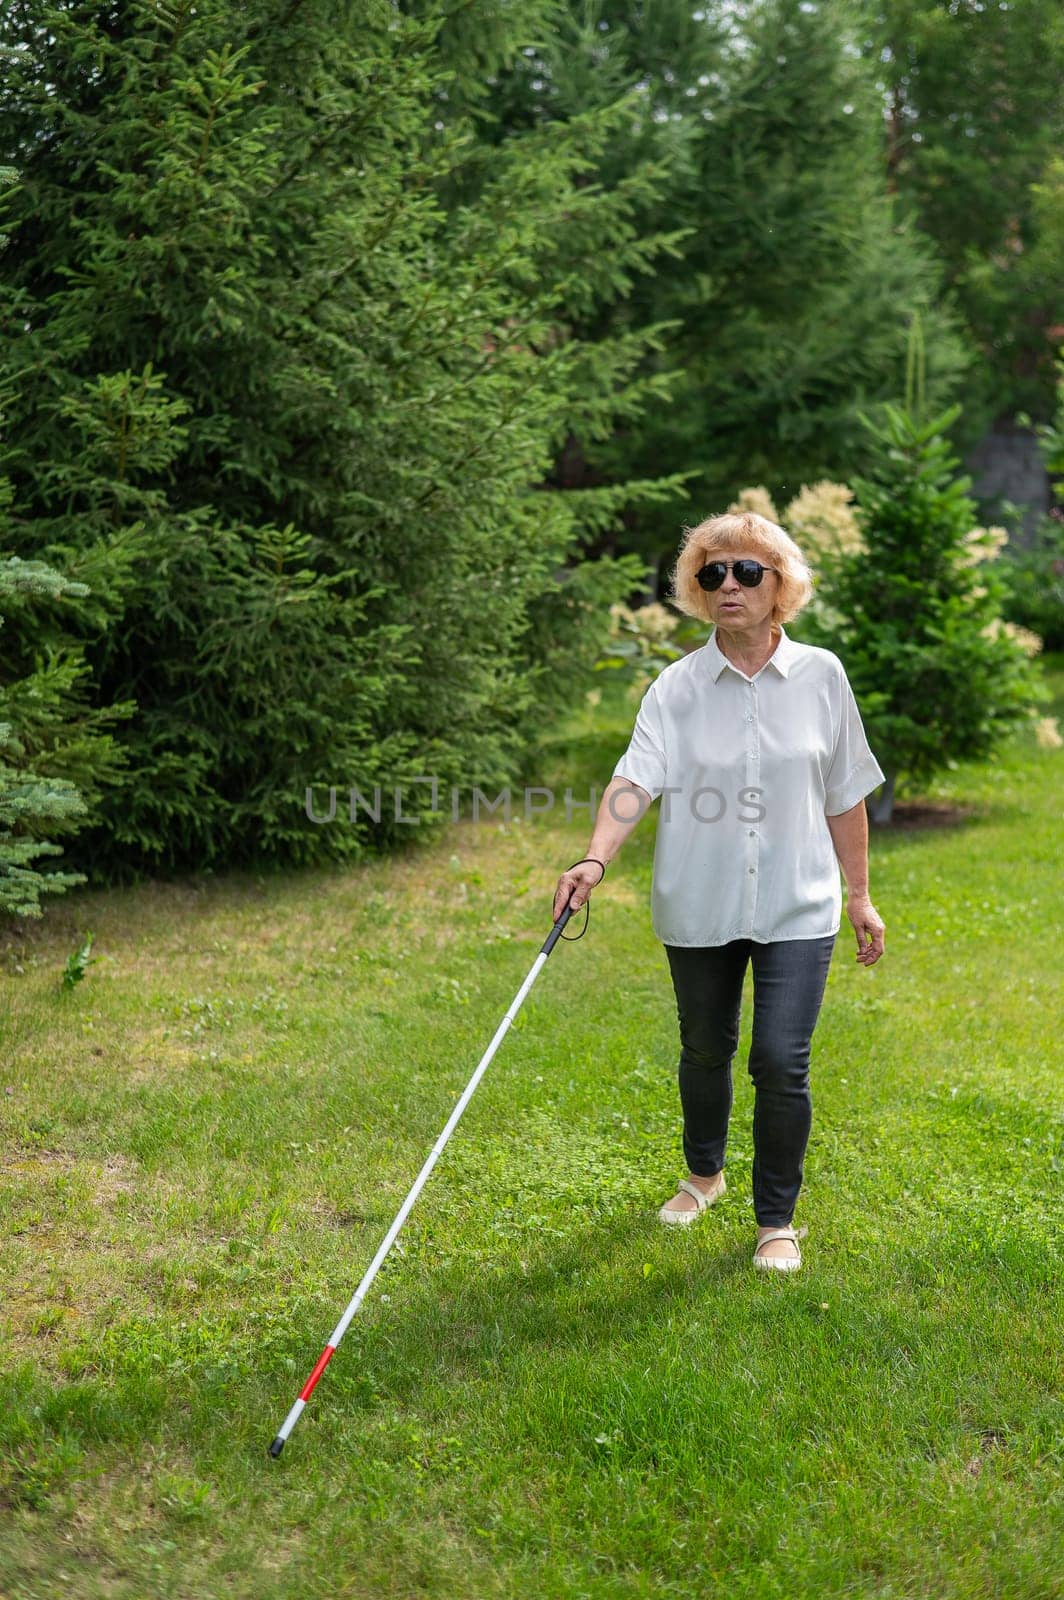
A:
{"x": 702, "y": 1201}
{"x": 782, "y": 1263}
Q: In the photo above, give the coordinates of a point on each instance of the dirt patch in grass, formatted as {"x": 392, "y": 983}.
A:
{"x": 114, "y": 1175}
{"x": 37, "y": 1160}
{"x": 912, "y": 814}
{"x": 50, "y": 1279}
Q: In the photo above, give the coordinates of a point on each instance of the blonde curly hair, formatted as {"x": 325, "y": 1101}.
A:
{"x": 754, "y": 535}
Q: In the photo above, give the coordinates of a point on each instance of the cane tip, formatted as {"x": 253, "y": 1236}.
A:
{"x": 276, "y": 1447}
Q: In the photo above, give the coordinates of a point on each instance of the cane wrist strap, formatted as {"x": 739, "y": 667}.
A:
{"x": 587, "y": 903}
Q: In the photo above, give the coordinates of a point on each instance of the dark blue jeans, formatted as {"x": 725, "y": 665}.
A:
{"x": 789, "y": 980}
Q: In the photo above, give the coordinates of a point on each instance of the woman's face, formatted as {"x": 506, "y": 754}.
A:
{"x": 737, "y": 609}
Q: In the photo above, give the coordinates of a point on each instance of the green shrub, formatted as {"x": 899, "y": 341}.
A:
{"x": 916, "y": 617}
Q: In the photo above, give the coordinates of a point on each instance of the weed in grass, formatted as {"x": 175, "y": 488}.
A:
{"x": 77, "y": 965}
{"x": 31, "y": 1476}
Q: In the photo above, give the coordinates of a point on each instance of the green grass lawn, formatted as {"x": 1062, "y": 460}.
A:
{"x": 546, "y": 1393}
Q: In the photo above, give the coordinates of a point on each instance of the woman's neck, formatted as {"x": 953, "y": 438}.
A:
{"x": 746, "y": 651}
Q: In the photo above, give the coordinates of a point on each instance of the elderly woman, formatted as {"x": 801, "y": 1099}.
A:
{"x": 756, "y": 744}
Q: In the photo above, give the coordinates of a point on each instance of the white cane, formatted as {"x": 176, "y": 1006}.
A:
{"x": 359, "y": 1295}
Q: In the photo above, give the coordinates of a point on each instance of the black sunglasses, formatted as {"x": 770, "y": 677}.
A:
{"x": 748, "y": 573}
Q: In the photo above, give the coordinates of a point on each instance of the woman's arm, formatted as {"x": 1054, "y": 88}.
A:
{"x": 619, "y": 810}
{"x": 849, "y": 834}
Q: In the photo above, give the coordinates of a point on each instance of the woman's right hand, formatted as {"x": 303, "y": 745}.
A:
{"x": 575, "y": 886}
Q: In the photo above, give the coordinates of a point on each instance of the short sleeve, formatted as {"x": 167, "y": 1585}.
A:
{"x": 644, "y": 760}
{"x": 853, "y": 771}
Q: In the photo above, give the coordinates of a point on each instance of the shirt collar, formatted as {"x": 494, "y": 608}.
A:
{"x": 781, "y": 658}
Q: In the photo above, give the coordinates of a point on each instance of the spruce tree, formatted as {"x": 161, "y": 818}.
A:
{"x": 789, "y": 295}
{"x": 974, "y": 126}
{"x": 35, "y": 805}
{"x": 308, "y": 402}
{"x": 58, "y": 753}
{"x": 915, "y": 619}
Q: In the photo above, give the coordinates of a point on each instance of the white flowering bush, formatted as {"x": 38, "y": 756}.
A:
{"x": 640, "y": 644}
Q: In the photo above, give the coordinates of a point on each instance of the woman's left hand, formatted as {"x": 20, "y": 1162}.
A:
{"x": 868, "y": 926}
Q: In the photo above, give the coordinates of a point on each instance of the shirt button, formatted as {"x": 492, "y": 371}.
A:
{"x": 752, "y": 833}
{"x": 752, "y": 869}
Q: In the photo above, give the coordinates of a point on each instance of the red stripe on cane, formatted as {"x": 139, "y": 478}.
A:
{"x": 323, "y": 1361}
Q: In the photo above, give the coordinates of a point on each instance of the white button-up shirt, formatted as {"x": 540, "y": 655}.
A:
{"x": 749, "y": 770}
